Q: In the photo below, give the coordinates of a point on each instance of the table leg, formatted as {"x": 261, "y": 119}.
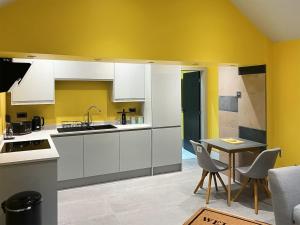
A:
{"x": 233, "y": 167}
{"x": 209, "y": 147}
{"x": 204, "y": 173}
{"x": 229, "y": 179}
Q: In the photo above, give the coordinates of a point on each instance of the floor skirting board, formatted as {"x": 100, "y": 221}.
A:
{"x": 118, "y": 176}
{"x": 104, "y": 178}
{"x": 167, "y": 169}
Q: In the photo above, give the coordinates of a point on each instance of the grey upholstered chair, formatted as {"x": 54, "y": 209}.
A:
{"x": 258, "y": 172}
{"x": 210, "y": 167}
{"x": 285, "y": 187}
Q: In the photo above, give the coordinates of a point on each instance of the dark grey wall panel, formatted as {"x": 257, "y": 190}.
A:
{"x": 252, "y": 69}
{"x": 228, "y": 103}
{"x": 253, "y": 134}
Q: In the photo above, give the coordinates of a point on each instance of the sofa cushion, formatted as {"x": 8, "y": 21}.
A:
{"x": 296, "y": 214}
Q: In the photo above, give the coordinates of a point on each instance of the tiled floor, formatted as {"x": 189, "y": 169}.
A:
{"x": 166, "y": 199}
{"x": 187, "y": 155}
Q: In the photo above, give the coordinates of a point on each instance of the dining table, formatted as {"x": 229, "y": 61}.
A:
{"x": 241, "y": 145}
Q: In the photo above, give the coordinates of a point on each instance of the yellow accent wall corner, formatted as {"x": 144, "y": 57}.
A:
{"x": 284, "y": 97}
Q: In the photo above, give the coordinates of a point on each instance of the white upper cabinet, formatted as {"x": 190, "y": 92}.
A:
{"x": 37, "y": 86}
{"x": 129, "y": 82}
{"x": 78, "y": 70}
{"x": 166, "y": 95}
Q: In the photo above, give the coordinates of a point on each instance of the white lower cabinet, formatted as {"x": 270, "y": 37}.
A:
{"x": 166, "y": 146}
{"x": 135, "y": 150}
{"x": 101, "y": 154}
{"x": 107, "y": 153}
{"x": 70, "y": 162}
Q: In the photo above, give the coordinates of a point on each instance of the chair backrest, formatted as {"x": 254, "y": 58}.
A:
{"x": 263, "y": 163}
{"x": 203, "y": 157}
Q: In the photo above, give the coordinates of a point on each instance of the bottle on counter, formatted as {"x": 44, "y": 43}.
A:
{"x": 123, "y": 117}
{"x": 123, "y": 120}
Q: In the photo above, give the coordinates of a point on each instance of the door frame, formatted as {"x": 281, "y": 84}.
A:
{"x": 203, "y": 103}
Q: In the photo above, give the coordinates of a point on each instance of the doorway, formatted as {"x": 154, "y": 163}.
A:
{"x": 191, "y": 108}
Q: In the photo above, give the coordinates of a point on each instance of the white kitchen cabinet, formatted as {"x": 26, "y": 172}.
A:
{"x": 166, "y": 95}
{"x": 70, "y": 162}
{"x": 37, "y": 86}
{"x": 79, "y": 70}
{"x": 166, "y": 146}
{"x": 101, "y": 154}
{"x": 135, "y": 150}
{"x": 129, "y": 82}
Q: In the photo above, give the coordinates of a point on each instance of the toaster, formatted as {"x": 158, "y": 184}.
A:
{"x": 21, "y": 128}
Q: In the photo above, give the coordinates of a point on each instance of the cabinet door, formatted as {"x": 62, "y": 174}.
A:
{"x": 70, "y": 162}
{"x": 166, "y": 95}
{"x": 166, "y": 146}
{"x": 135, "y": 150}
{"x": 37, "y": 86}
{"x": 77, "y": 70}
{"x": 101, "y": 154}
{"x": 129, "y": 82}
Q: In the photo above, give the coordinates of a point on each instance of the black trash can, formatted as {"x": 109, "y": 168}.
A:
{"x": 23, "y": 208}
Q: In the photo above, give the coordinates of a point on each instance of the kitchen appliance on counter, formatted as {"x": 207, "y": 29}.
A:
{"x": 25, "y": 146}
{"x": 8, "y": 135}
{"x": 21, "y": 128}
{"x": 37, "y": 123}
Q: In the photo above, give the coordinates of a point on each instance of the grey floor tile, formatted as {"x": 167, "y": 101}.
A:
{"x": 162, "y": 199}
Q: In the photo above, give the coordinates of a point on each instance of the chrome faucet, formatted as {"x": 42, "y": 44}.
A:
{"x": 89, "y": 118}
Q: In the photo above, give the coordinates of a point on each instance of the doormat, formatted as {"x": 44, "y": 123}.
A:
{"x": 206, "y": 216}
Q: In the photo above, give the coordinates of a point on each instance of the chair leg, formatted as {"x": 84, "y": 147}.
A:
{"x": 200, "y": 184}
{"x": 222, "y": 182}
{"x": 204, "y": 174}
{"x": 244, "y": 185}
{"x": 265, "y": 186}
{"x": 255, "y": 183}
{"x": 215, "y": 181}
{"x": 266, "y": 181}
{"x": 208, "y": 188}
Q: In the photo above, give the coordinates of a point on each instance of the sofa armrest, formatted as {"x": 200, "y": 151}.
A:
{"x": 285, "y": 188}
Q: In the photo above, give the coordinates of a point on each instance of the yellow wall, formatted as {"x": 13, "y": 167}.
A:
{"x": 285, "y": 98}
{"x": 73, "y": 98}
{"x": 2, "y": 112}
{"x": 206, "y": 31}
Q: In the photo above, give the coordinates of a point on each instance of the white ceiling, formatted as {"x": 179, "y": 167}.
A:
{"x": 278, "y": 19}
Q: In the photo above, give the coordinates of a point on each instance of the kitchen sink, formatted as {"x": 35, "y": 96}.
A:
{"x": 102, "y": 127}
{"x": 86, "y": 128}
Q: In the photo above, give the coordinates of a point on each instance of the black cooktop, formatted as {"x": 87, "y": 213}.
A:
{"x": 25, "y": 146}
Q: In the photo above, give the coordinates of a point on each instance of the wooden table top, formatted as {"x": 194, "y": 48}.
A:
{"x": 228, "y": 147}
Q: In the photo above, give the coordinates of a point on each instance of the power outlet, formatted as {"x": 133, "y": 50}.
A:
{"x": 132, "y": 110}
{"x": 21, "y": 115}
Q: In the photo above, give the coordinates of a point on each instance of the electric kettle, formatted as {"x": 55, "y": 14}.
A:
{"x": 37, "y": 123}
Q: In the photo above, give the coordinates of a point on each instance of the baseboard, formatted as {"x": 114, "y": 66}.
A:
{"x": 104, "y": 178}
{"x": 167, "y": 169}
